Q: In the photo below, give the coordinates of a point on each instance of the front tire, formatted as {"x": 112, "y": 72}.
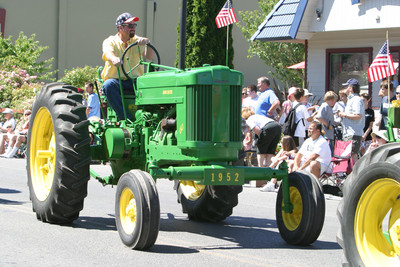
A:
{"x": 207, "y": 202}
{"x": 369, "y": 212}
{"x": 137, "y": 210}
{"x": 58, "y": 154}
{"x": 304, "y": 224}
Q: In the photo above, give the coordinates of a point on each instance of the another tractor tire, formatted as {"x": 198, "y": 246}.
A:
{"x": 369, "y": 212}
{"x": 58, "y": 154}
{"x": 304, "y": 224}
{"x": 137, "y": 210}
{"x": 207, "y": 203}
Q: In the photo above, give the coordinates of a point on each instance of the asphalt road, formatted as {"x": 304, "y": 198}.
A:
{"x": 249, "y": 237}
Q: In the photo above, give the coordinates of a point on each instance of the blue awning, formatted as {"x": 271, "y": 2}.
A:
{"x": 283, "y": 22}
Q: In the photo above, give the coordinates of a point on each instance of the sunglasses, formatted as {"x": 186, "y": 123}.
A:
{"x": 130, "y": 25}
{"x": 397, "y": 93}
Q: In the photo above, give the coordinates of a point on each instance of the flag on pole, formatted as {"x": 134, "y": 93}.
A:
{"x": 226, "y": 16}
{"x": 382, "y": 66}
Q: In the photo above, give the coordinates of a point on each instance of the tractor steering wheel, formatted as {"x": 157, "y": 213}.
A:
{"x": 126, "y": 73}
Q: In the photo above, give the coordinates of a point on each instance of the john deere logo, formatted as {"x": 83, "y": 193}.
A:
{"x": 181, "y": 128}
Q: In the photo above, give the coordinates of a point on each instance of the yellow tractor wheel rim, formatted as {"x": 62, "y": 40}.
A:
{"x": 191, "y": 190}
{"x": 377, "y": 213}
{"x": 292, "y": 220}
{"x": 127, "y": 211}
{"x": 42, "y": 154}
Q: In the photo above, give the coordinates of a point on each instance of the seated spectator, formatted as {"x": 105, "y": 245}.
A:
{"x": 315, "y": 154}
{"x": 287, "y": 153}
{"x": 379, "y": 138}
{"x": 7, "y": 128}
{"x": 18, "y": 138}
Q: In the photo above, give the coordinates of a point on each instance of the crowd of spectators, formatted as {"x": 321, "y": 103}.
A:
{"x": 13, "y": 134}
{"x": 344, "y": 116}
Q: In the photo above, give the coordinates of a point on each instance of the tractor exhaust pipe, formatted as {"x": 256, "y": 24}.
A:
{"x": 182, "y": 36}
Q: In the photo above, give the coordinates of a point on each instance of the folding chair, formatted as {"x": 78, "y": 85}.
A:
{"x": 341, "y": 165}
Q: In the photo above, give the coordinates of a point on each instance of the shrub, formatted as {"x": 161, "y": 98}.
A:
{"x": 79, "y": 76}
{"x": 18, "y": 89}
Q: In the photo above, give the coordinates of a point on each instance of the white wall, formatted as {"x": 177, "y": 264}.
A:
{"x": 74, "y": 29}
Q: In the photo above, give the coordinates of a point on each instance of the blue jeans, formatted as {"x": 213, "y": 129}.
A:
{"x": 113, "y": 94}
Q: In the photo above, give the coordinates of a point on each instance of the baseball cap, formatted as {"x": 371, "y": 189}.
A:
{"x": 8, "y": 111}
{"x": 291, "y": 90}
{"x": 125, "y": 18}
{"x": 306, "y": 92}
{"x": 350, "y": 81}
{"x": 381, "y": 133}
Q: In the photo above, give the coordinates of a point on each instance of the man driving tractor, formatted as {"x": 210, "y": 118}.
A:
{"x": 113, "y": 48}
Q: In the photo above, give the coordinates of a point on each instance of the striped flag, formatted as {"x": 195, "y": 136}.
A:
{"x": 382, "y": 66}
{"x": 226, "y": 16}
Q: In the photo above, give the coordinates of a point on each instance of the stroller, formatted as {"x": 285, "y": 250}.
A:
{"x": 341, "y": 165}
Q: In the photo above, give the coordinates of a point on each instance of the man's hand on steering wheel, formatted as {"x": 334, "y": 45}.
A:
{"x": 142, "y": 40}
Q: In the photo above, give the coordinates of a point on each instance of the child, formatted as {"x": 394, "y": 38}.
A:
{"x": 288, "y": 152}
{"x": 380, "y": 138}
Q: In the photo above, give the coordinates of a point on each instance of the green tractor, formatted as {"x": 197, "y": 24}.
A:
{"x": 186, "y": 128}
{"x": 369, "y": 212}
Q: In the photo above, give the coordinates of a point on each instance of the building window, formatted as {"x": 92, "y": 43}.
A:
{"x": 346, "y": 63}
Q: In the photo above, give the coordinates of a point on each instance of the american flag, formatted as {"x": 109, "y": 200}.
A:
{"x": 226, "y": 16}
{"x": 382, "y": 66}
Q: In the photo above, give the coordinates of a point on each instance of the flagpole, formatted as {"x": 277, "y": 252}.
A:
{"x": 227, "y": 42}
{"x": 388, "y": 72}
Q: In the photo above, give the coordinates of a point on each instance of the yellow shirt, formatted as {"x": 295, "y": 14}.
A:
{"x": 115, "y": 44}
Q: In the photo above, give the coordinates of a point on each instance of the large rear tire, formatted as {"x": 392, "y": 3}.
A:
{"x": 369, "y": 212}
{"x": 304, "y": 224}
{"x": 206, "y": 202}
{"x": 137, "y": 210}
{"x": 58, "y": 154}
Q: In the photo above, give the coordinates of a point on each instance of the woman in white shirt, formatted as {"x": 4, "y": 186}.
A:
{"x": 268, "y": 132}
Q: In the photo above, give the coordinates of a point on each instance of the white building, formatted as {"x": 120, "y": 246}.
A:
{"x": 341, "y": 37}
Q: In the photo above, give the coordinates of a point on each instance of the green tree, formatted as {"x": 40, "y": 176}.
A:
{"x": 79, "y": 76}
{"x": 24, "y": 54}
{"x": 205, "y": 43}
{"x": 278, "y": 55}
